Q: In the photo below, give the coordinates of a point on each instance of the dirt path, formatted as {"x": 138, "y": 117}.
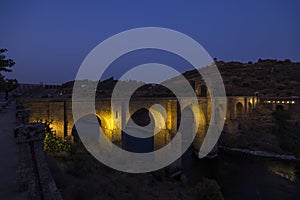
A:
{"x": 8, "y": 155}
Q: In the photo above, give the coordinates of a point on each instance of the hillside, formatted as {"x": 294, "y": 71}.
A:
{"x": 268, "y": 77}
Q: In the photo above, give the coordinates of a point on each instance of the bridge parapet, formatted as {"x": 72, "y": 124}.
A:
{"x": 280, "y": 102}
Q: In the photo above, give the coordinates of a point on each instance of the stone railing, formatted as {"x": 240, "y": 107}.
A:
{"x": 34, "y": 176}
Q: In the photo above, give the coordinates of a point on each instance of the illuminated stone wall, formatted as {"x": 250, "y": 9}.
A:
{"x": 112, "y": 120}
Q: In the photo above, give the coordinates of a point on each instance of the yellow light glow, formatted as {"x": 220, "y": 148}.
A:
{"x": 269, "y": 101}
{"x": 278, "y": 101}
{"x": 51, "y": 126}
{"x": 293, "y": 102}
{"x": 282, "y": 102}
{"x": 287, "y": 102}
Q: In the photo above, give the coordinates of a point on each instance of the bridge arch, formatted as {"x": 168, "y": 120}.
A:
{"x": 146, "y": 121}
{"x": 219, "y": 114}
{"x": 250, "y": 108}
{"x": 279, "y": 107}
{"x": 239, "y": 110}
{"x": 196, "y": 115}
{"x": 87, "y": 122}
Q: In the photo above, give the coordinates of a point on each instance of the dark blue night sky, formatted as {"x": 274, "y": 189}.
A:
{"x": 49, "y": 40}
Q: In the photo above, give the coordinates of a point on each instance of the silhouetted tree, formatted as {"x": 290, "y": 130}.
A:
{"x": 6, "y": 85}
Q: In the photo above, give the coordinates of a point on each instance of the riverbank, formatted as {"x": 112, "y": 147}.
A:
{"x": 261, "y": 153}
{"x": 247, "y": 177}
{"x": 265, "y": 133}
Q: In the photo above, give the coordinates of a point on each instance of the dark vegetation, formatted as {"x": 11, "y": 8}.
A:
{"x": 52, "y": 142}
{"x": 269, "y": 77}
{"x": 79, "y": 175}
{"x": 6, "y": 85}
{"x": 288, "y": 132}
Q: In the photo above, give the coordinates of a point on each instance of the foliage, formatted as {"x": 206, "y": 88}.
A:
{"x": 208, "y": 189}
{"x": 52, "y": 142}
{"x": 6, "y": 85}
{"x": 289, "y": 137}
{"x": 5, "y": 64}
{"x": 11, "y": 84}
{"x": 281, "y": 115}
{"x": 288, "y": 134}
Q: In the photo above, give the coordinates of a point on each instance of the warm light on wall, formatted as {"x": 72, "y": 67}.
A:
{"x": 283, "y": 102}
{"x": 51, "y": 126}
{"x": 57, "y": 127}
{"x": 107, "y": 121}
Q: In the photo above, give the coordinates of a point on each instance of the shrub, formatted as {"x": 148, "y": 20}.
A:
{"x": 208, "y": 189}
{"x": 52, "y": 142}
{"x": 281, "y": 115}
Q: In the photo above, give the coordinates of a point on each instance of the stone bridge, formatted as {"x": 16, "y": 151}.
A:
{"x": 285, "y": 103}
{"x": 59, "y": 111}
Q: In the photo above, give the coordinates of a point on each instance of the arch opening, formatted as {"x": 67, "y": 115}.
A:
{"x": 203, "y": 91}
{"x": 249, "y": 107}
{"x": 239, "y": 110}
{"x": 142, "y": 117}
{"x": 279, "y": 107}
{"x": 193, "y": 115}
{"x": 91, "y": 129}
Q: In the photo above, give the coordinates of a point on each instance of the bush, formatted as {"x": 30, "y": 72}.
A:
{"x": 208, "y": 189}
{"x": 290, "y": 140}
{"x": 52, "y": 142}
{"x": 281, "y": 115}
